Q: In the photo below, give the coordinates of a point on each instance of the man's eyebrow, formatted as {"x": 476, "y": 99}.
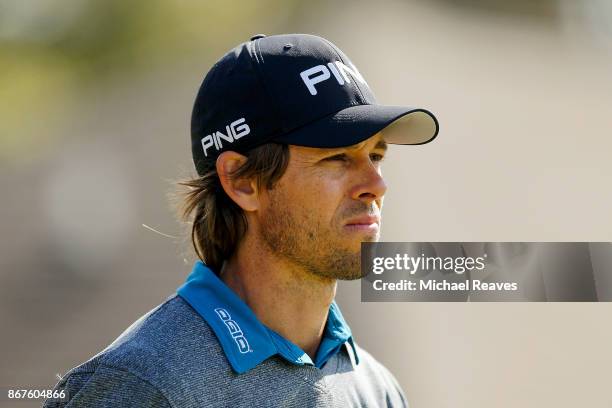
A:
{"x": 381, "y": 145}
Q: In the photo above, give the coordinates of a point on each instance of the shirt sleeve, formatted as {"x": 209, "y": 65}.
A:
{"x": 107, "y": 387}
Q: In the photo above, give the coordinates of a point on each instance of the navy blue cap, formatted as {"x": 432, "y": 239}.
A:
{"x": 296, "y": 89}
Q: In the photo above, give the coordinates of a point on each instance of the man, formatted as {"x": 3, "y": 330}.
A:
{"x": 287, "y": 140}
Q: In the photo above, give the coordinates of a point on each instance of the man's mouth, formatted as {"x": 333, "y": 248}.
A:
{"x": 364, "y": 223}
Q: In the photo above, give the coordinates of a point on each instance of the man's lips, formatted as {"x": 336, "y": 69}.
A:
{"x": 364, "y": 223}
{"x": 364, "y": 220}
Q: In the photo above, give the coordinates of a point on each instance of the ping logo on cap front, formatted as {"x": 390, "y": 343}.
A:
{"x": 320, "y": 73}
{"x": 233, "y": 132}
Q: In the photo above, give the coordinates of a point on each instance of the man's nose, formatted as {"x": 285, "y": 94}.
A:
{"x": 370, "y": 186}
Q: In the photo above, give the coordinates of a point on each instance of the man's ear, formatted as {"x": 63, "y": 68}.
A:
{"x": 243, "y": 191}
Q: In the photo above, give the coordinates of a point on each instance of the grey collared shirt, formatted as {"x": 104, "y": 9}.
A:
{"x": 170, "y": 357}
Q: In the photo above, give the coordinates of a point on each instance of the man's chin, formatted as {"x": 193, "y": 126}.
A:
{"x": 344, "y": 262}
{"x": 357, "y": 276}
{"x": 348, "y": 267}
{"x": 356, "y": 244}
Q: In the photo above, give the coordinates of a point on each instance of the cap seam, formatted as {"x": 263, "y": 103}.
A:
{"x": 260, "y": 78}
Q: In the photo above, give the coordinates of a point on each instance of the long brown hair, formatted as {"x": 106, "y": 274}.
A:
{"x": 217, "y": 222}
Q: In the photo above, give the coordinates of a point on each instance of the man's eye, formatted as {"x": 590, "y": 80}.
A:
{"x": 337, "y": 157}
{"x": 376, "y": 157}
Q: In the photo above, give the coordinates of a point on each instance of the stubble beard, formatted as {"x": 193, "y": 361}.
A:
{"x": 300, "y": 238}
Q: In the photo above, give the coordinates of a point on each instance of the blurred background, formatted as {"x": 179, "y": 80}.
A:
{"x": 95, "y": 100}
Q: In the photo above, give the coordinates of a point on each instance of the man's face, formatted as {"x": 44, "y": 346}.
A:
{"x": 323, "y": 207}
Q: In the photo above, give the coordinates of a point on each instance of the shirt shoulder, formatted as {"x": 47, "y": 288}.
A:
{"x": 159, "y": 342}
{"x": 161, "y": 346}
{"x": 376, "y": 382}
{"x": 106, "y": 387}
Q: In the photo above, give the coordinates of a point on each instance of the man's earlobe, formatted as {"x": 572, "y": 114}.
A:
{"x": 242, "y": 190}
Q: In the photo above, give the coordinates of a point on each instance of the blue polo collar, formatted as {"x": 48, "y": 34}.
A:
{"x": 245, "y": 340}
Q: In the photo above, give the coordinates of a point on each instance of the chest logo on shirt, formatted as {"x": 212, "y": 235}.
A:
{"x": 234, "y": 330}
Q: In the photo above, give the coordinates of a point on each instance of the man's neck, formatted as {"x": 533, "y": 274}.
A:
{"x": 284, "y": 297}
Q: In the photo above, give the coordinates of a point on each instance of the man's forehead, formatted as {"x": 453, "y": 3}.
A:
{"x": 374, "y": 142}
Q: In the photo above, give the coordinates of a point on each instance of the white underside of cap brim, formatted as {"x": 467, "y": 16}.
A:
{"x": 416, "y": 127}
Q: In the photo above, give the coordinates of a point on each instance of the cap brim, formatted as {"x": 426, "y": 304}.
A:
{"x": 399, "y": 125}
